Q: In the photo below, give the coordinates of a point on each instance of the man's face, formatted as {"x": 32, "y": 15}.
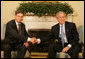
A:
{"x": 61, "y": 18}
{"x": 19, "y": 17}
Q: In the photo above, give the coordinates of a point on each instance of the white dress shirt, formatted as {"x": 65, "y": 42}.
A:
{"x": 65, "y": 38}
{"x": 17, "y": 24}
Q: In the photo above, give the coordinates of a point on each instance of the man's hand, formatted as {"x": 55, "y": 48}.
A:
{"x": 65, "y": 49}
{"x": 26, "y": 44}
{"x": 33, "y": 40}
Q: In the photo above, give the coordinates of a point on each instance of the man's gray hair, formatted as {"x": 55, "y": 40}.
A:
{"x": 60, "y": 12}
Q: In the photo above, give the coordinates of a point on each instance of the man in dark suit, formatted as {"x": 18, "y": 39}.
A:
{"x": 16, "y": 36}
{"x": 66, "y": 36}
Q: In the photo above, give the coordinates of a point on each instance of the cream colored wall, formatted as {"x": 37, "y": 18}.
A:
{"x": 7, "y": 12}
{"x": 8, "y": 8}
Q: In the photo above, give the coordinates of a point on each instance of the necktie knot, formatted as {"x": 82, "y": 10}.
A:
{"x": 19, "y": 24}
{"x": 19, "y": 28}
{"x": 61, "y": 27}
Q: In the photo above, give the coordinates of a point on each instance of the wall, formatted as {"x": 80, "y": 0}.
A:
{"x": 8, "y": 8}
{"x": 7, "y": 12}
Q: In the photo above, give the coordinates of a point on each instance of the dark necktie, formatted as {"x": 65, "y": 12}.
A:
{"x": 19, "y": 28}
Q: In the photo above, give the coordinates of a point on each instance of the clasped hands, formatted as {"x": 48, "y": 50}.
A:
{"x": 65, "y": 49}
{"x": 33, "y": 40}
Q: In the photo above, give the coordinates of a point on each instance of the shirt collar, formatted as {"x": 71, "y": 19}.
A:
{"x": 62, "y": 24}
{"x": 17, "y": 22}
{"x": 63, "y": 27}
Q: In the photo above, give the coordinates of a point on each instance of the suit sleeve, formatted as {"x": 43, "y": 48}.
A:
{"x": 25, "y": 32}
{"x": 75, "y": 35}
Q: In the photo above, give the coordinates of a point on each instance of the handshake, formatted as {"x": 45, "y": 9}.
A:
{"x": 33, "y": 40}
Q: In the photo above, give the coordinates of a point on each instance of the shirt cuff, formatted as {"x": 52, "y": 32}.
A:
{"x": 28, "y": 39}
{"x": 70, "y": 45}
{"x": 39, "y": 41}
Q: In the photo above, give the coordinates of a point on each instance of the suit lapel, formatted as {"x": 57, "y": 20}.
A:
{"x": 66, "y": 29}
{"x": 15, "y": 26}
{"x": 58, "y": 29}
{"x": 22, "y": 28}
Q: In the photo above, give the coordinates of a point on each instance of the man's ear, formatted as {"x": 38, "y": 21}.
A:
{"x": 15, "y": 16}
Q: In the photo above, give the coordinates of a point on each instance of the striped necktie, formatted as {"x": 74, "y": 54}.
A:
{"x": 62, "y": 35}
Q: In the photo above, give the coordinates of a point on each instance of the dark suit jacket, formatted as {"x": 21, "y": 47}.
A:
{"x": 71, "y": 33}
{"x": 12, "y": 35}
